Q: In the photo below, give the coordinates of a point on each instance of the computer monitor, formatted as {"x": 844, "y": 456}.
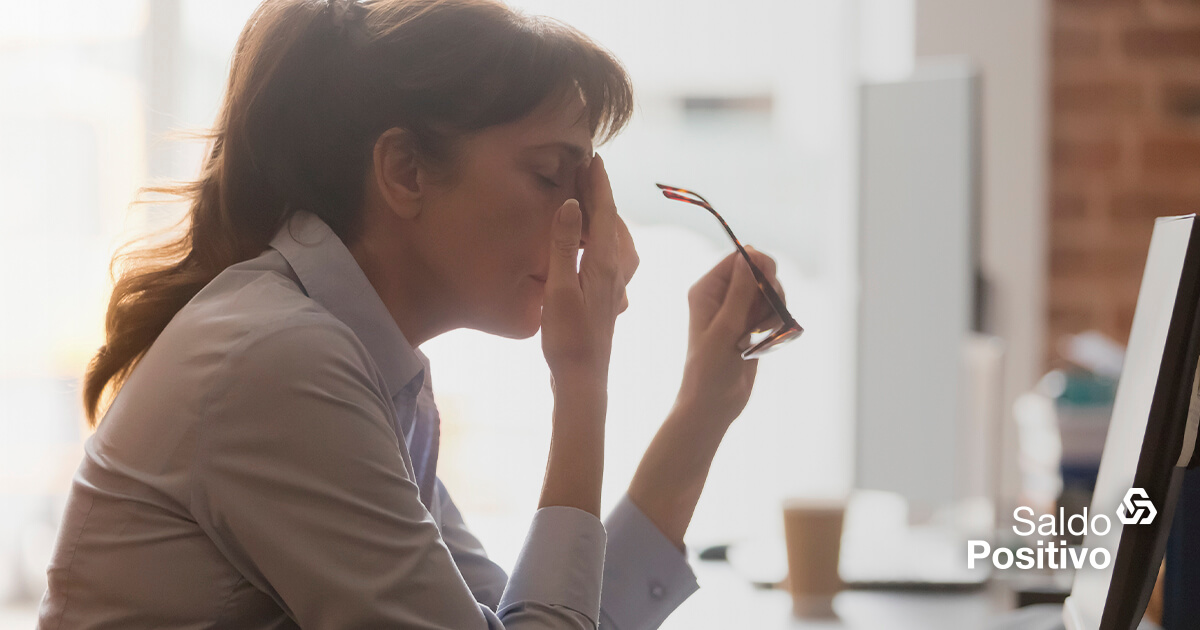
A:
{"x": 1152, "y": 436}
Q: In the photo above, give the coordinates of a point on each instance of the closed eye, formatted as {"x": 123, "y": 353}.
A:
{"x": 546, "y": 181}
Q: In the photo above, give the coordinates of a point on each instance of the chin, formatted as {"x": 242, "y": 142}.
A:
{"x": 523, "y": 331}
{"x": 521, "y": 323}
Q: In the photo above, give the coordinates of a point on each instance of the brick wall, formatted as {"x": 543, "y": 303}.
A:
{"x": 1125, "y": 148}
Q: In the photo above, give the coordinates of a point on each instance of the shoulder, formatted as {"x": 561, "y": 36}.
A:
{"x": 304, "y": 389}
{"x": 253, "y": 329}
{"x": 248, "y": 328}
{"x": 298, "y": 350}
{"x": 255, "y": 316}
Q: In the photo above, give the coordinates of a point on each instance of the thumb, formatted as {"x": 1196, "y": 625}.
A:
{"x": 564, "y": 246}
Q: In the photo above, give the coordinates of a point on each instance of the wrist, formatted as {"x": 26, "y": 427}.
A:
{"x": 670, "y": 478}
{"x": 580, "y": 410}
{"x": 579, "y": 384}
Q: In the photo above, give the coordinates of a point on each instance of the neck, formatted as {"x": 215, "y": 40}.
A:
{"x": 404, "y": 284}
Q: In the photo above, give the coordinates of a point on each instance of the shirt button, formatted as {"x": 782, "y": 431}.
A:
{"x": 657, "y": 591}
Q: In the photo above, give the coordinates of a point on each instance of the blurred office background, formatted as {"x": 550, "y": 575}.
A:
{"x": 1056, "y": 131}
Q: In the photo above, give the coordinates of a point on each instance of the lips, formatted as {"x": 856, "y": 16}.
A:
{"x": 539, "y": 278}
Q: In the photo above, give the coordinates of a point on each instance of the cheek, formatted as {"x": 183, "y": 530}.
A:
{"x": 523, "y": 229}
{"x": 512, "y": 242}
{"x": 502, "y": 236}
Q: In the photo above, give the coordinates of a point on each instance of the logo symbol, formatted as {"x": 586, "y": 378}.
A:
{"x": 1136, "y": 509}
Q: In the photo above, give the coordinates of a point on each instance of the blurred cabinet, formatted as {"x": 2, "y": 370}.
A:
{"x": 919, "y": 299}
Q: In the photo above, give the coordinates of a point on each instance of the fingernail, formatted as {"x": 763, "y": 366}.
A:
{"x": 570, "y": 216}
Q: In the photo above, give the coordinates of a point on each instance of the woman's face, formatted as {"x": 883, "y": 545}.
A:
{"x": 486, "y": 238}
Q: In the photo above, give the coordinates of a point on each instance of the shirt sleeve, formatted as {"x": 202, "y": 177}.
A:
{"x": 645, "y": 576}
{"x": 299, "y": 480}
{"x": 484, "y": 577}
{"x": 554, "y": 533}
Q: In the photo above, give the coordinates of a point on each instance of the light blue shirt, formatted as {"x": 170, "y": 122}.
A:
{"x": 270, "y": 463}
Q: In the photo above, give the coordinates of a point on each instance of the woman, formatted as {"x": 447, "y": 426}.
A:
{"x": 382, "y": 173}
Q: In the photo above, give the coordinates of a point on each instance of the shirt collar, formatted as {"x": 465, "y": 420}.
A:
{"x": 332, "y": 278}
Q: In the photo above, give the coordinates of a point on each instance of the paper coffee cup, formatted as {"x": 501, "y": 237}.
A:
{"x": 813, "y": 532}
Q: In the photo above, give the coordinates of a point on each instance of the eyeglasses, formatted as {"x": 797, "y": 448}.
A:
{"x": 761, "y": 341}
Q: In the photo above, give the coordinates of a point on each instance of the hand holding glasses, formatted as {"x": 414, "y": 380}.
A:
{"x": 788, "y": 329}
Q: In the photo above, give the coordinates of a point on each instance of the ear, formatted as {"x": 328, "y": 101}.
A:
{"x": 399, "y": 176}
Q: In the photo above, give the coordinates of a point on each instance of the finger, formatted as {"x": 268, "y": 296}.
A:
{"x": 765, "y": 263}
{"x": 739, "y": 298}
{"x": 581, "y": 192}
{"x": 627, "y": 254}
{"x": 762, "y": 308}
{"x": 602, "y": 215}
{"x": 565, "y": 235}
{"x": 718, "y": 276}
{"x": 710, "y": 289}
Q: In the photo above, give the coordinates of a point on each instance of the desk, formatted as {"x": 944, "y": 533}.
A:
{"x": 727, "y": 600}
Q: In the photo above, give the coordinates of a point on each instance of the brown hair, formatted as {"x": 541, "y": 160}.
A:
{"x": 312, "y": 85}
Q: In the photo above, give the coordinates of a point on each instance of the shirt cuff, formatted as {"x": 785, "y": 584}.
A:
{"x": 646, "y": 577}
{"x": 561, "y": 563}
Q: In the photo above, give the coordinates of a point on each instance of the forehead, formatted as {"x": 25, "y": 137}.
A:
{"x": 557, "y": 125}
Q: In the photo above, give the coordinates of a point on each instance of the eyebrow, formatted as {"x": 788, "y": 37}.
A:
{"x": 574, "y": 151}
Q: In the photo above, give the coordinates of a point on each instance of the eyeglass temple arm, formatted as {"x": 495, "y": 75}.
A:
{"x": 759, "y": 277}
{"x": 769, "y": 291}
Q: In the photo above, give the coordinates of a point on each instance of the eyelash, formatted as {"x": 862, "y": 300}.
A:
{"x": 546, "y": 181}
